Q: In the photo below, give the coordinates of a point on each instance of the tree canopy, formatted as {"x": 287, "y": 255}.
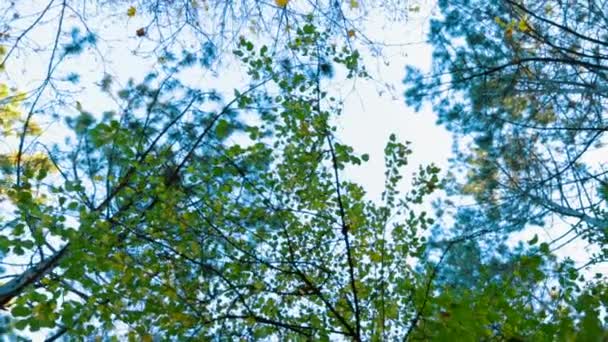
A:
{"x": 520, "y": 85}
{"x": 524, "y": 82}
{"x": 170, "y": 209}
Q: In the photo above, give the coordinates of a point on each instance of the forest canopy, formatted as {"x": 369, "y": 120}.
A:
{"x": 174, "y": 170}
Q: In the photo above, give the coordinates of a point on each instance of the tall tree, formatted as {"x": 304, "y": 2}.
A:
{"x": 523, "y": 82}
{"x": 152, "y": 218}
{"x": 520, "y": 85}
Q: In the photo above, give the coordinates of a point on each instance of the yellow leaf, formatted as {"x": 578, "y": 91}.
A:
{"x": 281, "y": 3}
{"x": 354, "y": 4}
{"x": 500, "y": 22}
{"x": 33, "y": 128}
{"x": 523, "y": 26}
{"x": 351, "y": 33}
{"x": 3, "y": 91}
{"x": 19, "y": 97}
{"x": 131, "y": 12}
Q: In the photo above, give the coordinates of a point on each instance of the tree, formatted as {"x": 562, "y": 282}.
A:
{"x": 172, "y": 216}
{"x": 523, "y": 83}
{"x": 153, "y": 219}
{"x": 519, "y": 83}
{"x": 195, "y": 33}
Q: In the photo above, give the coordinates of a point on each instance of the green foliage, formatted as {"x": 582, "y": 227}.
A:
{"x": 520, "y": 81}
{"x": 517, "y": 82}
{"x": 167, "y": 226}
{"x": 173, "y": 216}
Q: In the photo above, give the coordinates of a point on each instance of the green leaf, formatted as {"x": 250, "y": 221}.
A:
{"x": 544, "y": 248}
{"x": 222, "y": 130}
{"x": 21, "y": 324}
{"x": 21, "y": 311}
{"x": 308, "y": 29}
{"x": 375, "y": 257}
